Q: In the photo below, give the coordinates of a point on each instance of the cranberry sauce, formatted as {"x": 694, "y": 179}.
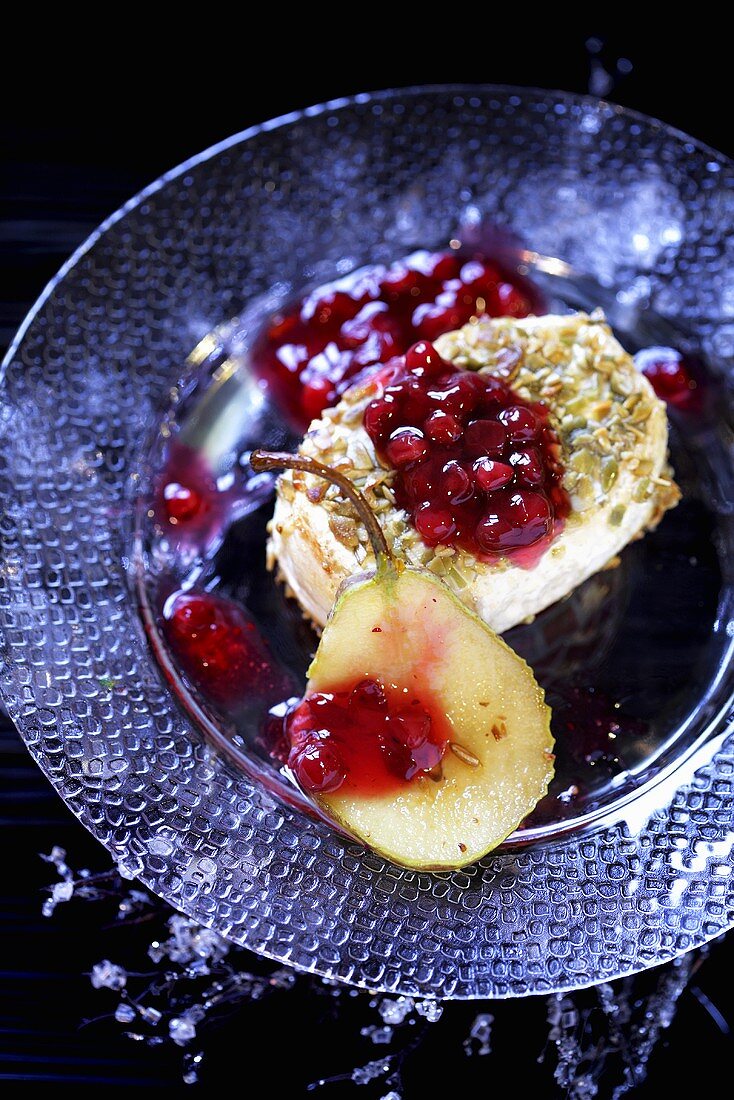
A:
{"x": 222, "y": 653}
{"x": 672, "y": 377}
{"x": 368, "y": 739}
{"x": 190, "y": 508}
{"x": 477, "y": 467}
{"x": 310, "y": 350}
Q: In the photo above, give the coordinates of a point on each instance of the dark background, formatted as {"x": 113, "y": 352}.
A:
{"x": 83, "y": 127}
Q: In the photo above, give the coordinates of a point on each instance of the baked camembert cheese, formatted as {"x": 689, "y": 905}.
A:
{"x": 613, "y": 436}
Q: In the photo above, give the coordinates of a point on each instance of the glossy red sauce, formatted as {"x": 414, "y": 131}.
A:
{"x": 367, "y": 738}
{"x": 221, "y": 651}
{"x": 477, "y": 466}
{"x": 312, "y": 348}
{"x": 190, "y": 508}
{"x": 671, "y": 376}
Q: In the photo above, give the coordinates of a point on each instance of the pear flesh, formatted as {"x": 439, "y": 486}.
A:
{"x": 406, "y": 629}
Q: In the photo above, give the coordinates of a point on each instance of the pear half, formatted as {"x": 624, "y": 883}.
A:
{"x": 403, "y": 627}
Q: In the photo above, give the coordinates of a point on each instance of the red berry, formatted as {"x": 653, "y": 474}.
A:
{"x": 521, "y": 423}
{"x": 422, "y": 481}
{"x": 437, "y": 483}
{"x": 441, "y": 427}
{"x": 412, "y": 729}
{"x": 399, "y": 281}
{"x": 485, "y": 437}
{"x": 181, "y": 502}
{"x": 434, "y": 524}
{"x": 371, "y": 315}
{"x": 379, "y": 416}
{"x": 317, "y": 766}
{"x": 444, "y": 266}
{"x": 455, "y": 438}
{"x": 332, "y": 308}
{"x": 494, "y": 532}
{"x": 481, "y": 385}
{"x": 454, "y": 396}
{"x": 368, "y": 737}
{"x": 406, "y": 445}
{"x": 670, "y": 377}
{"x": 454, "y": 484}
{"x": 471, "y": 271}
{"x": 411, "y": 733}
{"x": 482, "y": 281}
{"x": 423, "y": 359}
{"x": 281, "y": 326}
{"x": 355, "y": 330}
{"x": 220, "y": 650}
{"x": 370, "y": 694}
{"x": 528, "y": 466}
{"x": 490, "y": 474}
{"x": 416, "y": 404}
{"x": 512, "y": 302}
{"x": 495, "y": 396}
{"x": 530, "y": 514}
{"x": 447, "y": 313}
{"x": 317, "y": 394}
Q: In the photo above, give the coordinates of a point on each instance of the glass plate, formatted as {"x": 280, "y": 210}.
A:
{"x": 645, "y": 873}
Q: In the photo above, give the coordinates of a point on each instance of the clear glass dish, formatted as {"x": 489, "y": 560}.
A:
{"x": 627, "y": 876}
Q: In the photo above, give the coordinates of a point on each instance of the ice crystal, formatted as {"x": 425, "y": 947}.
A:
{"x": 133, "y": 901}
{"x": 191, "y": 1063}
{"x": 189, "y": 942}
{"x": 150, "y": 1015}
{"x": 362, "y": 1075}
{"x": 608, "y": 1033}
{"x": 378, "y": 1035}
{"x": 394, "y": 1012}
{"x": 57, "y": 856}
{"x": 480, "y": 1035}
{"x": 659, "y": 1013}
{"x": 282, "y": 979}
{"x": 62, "y": 891}
{"x": 108, "y": 975}
{"x": 429, "y": 1010}
{"x": 182, "y": 1030}
{"x": 563, "y": 1019}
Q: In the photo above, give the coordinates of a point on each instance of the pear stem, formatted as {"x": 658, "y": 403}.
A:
{"x": 273, "y": 460}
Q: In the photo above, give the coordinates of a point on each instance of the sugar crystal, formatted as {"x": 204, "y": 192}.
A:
{"x": 124, "y": 1013}
{"x": 108, "y": 975}
{"x": 182, "y": 1030}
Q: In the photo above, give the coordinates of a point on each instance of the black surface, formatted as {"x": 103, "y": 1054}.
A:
{"x": 100, "y": 124}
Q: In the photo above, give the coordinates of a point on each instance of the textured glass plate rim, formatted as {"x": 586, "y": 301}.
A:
{"x": 701, "y": 754}
{"x": 309, "y": 112}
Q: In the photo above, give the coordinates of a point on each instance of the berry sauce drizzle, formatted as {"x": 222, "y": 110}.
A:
{"x": 222, "y": 653}
{"x": 309, "y": 351}
{"x": 190, "y": 508}
{"x": 672, "y": 376}
{"x": 367, "y": 738}
{"x": 477, "y": 467}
